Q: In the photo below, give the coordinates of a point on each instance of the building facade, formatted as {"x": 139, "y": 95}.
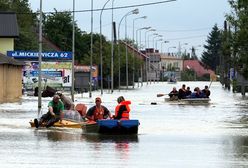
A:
{"x": 10, "y": 69}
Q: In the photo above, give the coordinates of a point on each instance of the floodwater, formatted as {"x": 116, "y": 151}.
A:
{"x": 170, "y": 135}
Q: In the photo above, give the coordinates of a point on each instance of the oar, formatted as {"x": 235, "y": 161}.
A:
{"x": 161, "y": 94}
{"x": 210, "y": 84}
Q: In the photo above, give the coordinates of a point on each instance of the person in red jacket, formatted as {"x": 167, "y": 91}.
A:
{"x": 122, "y": 109}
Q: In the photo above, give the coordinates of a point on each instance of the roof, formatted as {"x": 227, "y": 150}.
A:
{"x": 8, "y": 24}
{"x": 8, "y": 60}
{"x": 197, "y": 67}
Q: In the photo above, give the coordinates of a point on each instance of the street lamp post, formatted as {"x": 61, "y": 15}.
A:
{"x": 153, "y": 40}
{"x": 101, "y": 62}
{"x": 135, "y": 11}
{"x": 143, "y": 17}
{"x": 156, "y": 42}
{"x": 149, "y": 61}
{"x": 154, "y": 34}
{"x": 40, "y": 60}
{"x": 91, "y": 49}
{"x": 146, "y": 55}
{"x": 73, "y": 52}
{"x": 112, "y": 49}
{"x": 169, "y": 49}
{"x": 139, "y": 44}
{"x": 180, "y": 47}
{"x": 163, "y": 42}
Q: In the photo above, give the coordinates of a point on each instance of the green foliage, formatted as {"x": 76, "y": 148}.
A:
{"x": 211, "y": 55}
{"x": 239, "y": 22}
{"x": 188, "y": 75}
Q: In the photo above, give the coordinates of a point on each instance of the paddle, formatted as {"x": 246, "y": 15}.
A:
{"x": 161, "y": 94}
{"x": 210, "y": 84}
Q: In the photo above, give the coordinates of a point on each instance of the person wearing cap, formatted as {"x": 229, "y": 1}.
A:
{"x": 98, "y": 111}
{"x": 55, "y": 110}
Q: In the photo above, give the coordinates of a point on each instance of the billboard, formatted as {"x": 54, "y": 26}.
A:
{"x": 54, "y": 74}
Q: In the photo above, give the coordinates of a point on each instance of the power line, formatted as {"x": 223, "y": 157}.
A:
{"x": 120, "y": 7}
{"x": 185, "y": 30}
{"x": 189, "y": 37}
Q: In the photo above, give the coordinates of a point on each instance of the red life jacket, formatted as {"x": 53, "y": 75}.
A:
{"x": 125, "y": 114}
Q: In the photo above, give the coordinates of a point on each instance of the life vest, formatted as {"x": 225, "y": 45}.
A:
{"x": 125, "y": 114}
{"x": 81, "y": 108}
{"x": 98, "y": 113}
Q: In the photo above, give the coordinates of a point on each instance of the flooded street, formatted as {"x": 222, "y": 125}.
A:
{"x": 170, "y": 135}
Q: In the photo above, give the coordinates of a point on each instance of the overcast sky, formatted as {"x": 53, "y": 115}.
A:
{"x": 180, "y": 21}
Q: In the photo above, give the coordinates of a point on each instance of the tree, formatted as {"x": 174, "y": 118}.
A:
{"x": 238, "y": 20}
{"x": 211, "y": 54}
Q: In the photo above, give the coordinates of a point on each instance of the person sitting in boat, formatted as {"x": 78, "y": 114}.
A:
{"x": 54, "y": 114}
{"x": 206, "y": 91}
{"x": 182, "y": 92}
{"x": 188, "y": 91}
{"x": 68, "y": 103}
{"x": 122, "y": 109}
{"x": 98, "y": 111}
{"x": 197, "y": 93}
{"x": 173, "y": 94}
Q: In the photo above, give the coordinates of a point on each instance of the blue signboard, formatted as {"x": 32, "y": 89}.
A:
{"x": 34, "y": 55}
{"x": 47, "y": 73}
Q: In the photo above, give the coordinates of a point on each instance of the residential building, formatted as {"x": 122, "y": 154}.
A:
{"x": 10, "y": 69}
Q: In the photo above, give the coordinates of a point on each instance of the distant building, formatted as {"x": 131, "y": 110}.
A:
{"x": 198, "y": 67}
{"x": 10, "y": 69}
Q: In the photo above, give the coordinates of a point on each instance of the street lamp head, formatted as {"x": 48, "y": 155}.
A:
{"x": 166, "y": 41}
{"x": 147, "y": 28}
{"x": 135, "y": 11}
{"x": 144, "y": 17}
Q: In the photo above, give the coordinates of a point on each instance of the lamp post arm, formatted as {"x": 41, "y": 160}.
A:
{"x": 101, "y": 46}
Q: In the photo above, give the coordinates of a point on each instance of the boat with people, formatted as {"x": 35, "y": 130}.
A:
{"x": 110, "y": 126}
{"x": 192, "y": 101}
{"x": 70, "y": 119}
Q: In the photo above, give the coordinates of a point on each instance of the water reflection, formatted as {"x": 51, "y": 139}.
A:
{"x": 170, "y": 135}
{"x": 55, "y": 134}
{"x": 96, "y": 138}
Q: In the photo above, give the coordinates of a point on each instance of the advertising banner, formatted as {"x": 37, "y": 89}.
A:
{"x": 54, "y": 74}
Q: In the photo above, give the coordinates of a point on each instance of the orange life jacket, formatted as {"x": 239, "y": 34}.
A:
{"x": 98, "y": 113}
{"x": 125, "y": 114}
